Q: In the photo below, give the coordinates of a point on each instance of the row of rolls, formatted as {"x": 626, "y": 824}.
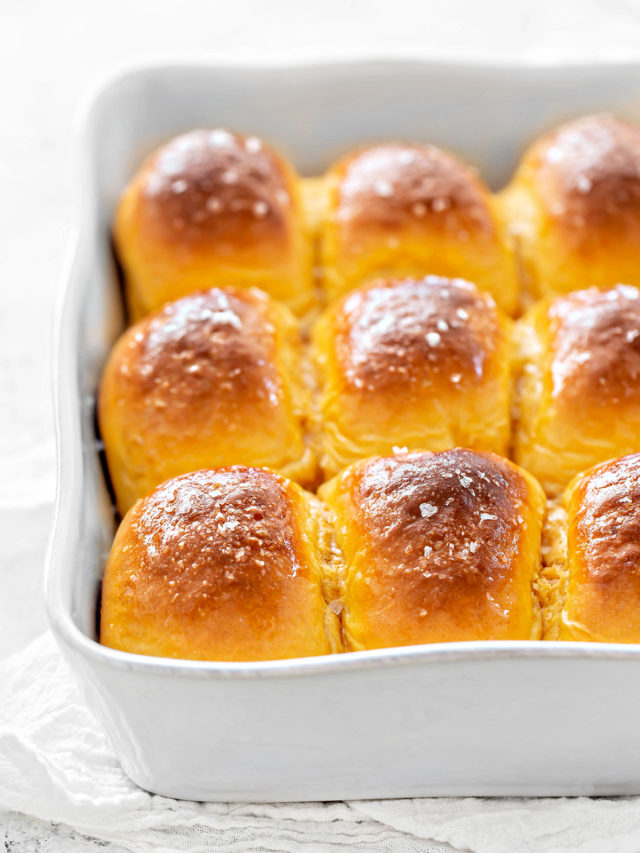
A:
{"x": 354, "y": 335}
{"x": 240, "y": 563}
{"x": 225, "y": 376}
{"x": 213, "y": 205}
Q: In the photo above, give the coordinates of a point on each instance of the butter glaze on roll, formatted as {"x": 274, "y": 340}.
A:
{"x": 574, "y": 205}
{"x": 398, "y": 209}
{"x": 220, "y": 565}
{"x": 578, "y": 395}
{"x": 208, "y": 207}
{"x": 595, "y": 548}
{"x": 419, "y": 364}
{"x": 437, "y": 548}
{"x": 212, "y": 379}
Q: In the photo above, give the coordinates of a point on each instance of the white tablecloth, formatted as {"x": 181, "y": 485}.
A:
{"x": 51, "y": 56}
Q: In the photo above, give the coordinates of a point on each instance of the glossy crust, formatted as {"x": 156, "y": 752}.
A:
{"x": 597, "y": 553}
{"x": 418, "y": 364}
{"x": 574, "y": 205}
{"x": 398, "y": 209}
{"x": 211, "y": 207}
{"x": 215, "y": 378}
{"x": 437, "y": 548}
{"x": 220, "y": 565}
{"x": 578, "y": 392}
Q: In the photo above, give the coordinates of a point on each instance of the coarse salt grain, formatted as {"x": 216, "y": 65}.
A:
{"x": 383, "y": 189}
{"x": 584, "y": 184}
{"x": 253, "y": 144}
{"x": 427, "y": 510}
{"x": 220, "y": 137}
{"x": 433, "y": 339}
{"x": 554, "y": 154}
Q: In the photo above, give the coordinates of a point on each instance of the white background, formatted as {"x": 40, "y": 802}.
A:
{"x": 52, "y": 55}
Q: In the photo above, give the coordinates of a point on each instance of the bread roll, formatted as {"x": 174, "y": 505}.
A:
{"x": 399, "y": 209}
{"x": 437, "y": 548}
{"x": 225, "y": 564}
{"x": 215, "y": 378}
{"x": 209, "y": 208}
{"x": 414, "y": 363}
{"x": 578, "y": 395}
{"x": 596, "y": 556}
{"x": 574, "y": 207}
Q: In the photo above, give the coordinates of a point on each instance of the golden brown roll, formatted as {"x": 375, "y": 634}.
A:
{"x": 578, "y": 394}
{"x": 414, "y": 363}
{"x": 574, "y": 207}
{"x": 595, "y": 556}
{"x": 215, "y": 378}
{"x": 410, "y": 210}
{"x": 225, "y": 564}
{"x": 212, "y": 207}
{"x": 437, "y": 547}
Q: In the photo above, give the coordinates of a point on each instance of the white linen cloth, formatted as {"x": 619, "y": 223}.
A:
{"x": 56, "y": 764}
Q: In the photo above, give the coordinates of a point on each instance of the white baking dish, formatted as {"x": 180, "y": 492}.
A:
{"x": 468, "y": 718}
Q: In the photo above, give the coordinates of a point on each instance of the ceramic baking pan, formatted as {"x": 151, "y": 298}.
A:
{"x": 504, "y": 718}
